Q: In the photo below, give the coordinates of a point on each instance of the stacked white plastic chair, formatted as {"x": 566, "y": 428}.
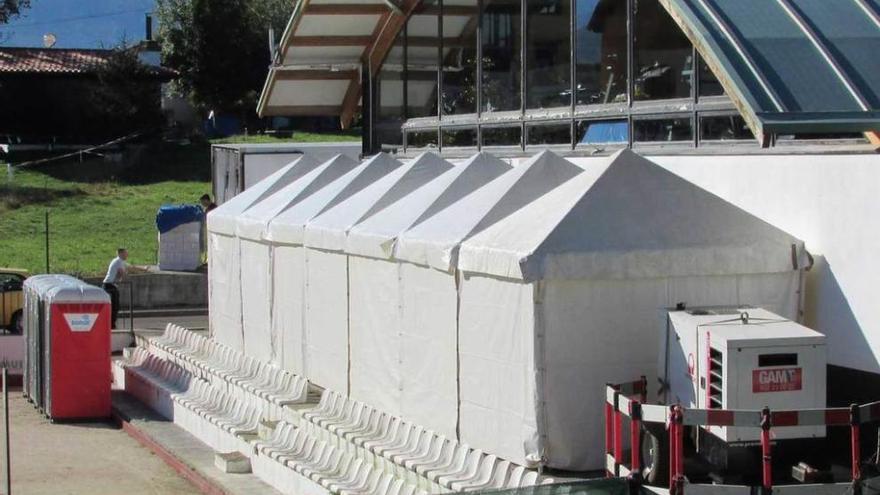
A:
{"x": 296, "y": 462}
{"x": 239, "y": 375}
{"x": 418, "y": 456}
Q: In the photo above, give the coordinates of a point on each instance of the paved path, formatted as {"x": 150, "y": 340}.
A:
{"x": 87, "y": 458}
{"x": 184, "y": 451}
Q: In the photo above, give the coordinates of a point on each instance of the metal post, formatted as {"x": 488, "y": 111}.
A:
{"x": 47, "y": 241}
{"x": 766, "y": 459}
{"x": 618, "y": 435}
{"x": 673, "y": 445}
{"x": 679, "y": 451}
{"x": 609, "y": 434}
{"x": 6, "y": 431}
{"x": 855, "y": 421}
{"x": 635, "y": 413}
{"x": 131, "y": 309}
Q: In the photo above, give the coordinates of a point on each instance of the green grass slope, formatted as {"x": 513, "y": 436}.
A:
{"x": 94, "y": 207}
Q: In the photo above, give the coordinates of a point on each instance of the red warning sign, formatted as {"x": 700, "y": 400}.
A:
{"x": 777, "y": 380}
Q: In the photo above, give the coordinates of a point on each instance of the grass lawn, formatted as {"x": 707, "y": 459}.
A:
{"x": 298, "y": 137}
{"x": 94, "y": 207}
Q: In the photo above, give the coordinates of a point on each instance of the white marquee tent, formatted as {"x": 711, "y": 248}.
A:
{"x": 285, "y": 233}
{"x": 424, "y": 299}
{"x": 492, "y": 303}
{"x": 256, "y": 255}
{"x": 387, "y": 370}
{"x": 224, "y": 294}
{"x": 327, "y": 271}
{"x": 562, "y": 297}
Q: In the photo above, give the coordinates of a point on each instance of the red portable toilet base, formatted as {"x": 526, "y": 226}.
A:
{"x": 80, "y": 375}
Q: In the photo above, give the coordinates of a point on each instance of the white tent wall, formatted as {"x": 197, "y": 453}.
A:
{"x": 403, "y": 343}
{"x": 376, "y": 348}
{"x": 261, "y": 341}
{"x": 396, "y": 315}
{"x": 314, "y": 356}
{"x": 326, "y": 319}
{"x": 256, "y": 307}
{"x": 601, "y": 256}
{"x": 598, "y": 332}
{"x": 327, "y": 266}
{"x": 583, "y": 334}
{"x": 224, "y": 256}
{"x": 496, "y": 350}
{"x": 288, "y": 276}
{"x": 224, "y": 296}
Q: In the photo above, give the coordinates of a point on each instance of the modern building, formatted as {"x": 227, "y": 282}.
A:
{"x": 770, "y": 104}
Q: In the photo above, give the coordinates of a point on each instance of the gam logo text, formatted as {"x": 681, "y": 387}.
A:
{"x": 777, "y": 380}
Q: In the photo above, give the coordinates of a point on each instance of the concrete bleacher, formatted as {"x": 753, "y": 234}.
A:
{"x": 234, "y": 403}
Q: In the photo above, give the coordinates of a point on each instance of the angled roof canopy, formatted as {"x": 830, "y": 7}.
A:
{"x": 791, "y": 66}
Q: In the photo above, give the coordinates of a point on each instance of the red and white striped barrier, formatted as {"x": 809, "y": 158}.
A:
{"x": 627, "y": 400}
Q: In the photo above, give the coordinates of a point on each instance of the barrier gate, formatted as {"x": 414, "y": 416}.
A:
{"x": 629, "y": 400}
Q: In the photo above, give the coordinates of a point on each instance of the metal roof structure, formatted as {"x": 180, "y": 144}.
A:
{"x": 317, "y": 69}
{"x": 791, "y": 66}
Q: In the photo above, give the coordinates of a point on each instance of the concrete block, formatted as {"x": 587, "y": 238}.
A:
{"x": 232, "y": 462}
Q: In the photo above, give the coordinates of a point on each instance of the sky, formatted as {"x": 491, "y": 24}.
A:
{"x": 79, "y": 23}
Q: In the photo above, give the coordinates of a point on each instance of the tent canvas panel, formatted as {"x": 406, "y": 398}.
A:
{"x": 326, "y": 319}
{"x": 496, "y": 353}
{"x": 225, "y": 308}
{"x": 288, "y": 273}
{"x": 429, "y": 379}
{"x": 256, "y": 290}
{"x": 374, "y": 303}
{"x": 566, "y": 332}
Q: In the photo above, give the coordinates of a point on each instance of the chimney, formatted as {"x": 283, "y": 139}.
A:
{"x": 148, "y": 27}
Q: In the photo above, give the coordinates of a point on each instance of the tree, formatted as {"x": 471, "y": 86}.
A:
{"x": 127, "y": 95}
{"x": 220, "y": 49}
{"x": 10, "y": 9}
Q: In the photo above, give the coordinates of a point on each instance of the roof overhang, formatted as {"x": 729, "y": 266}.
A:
{"x": 317, "y": 70}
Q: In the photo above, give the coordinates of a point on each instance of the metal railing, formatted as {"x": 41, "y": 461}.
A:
{"x": 6, "y": 442}
{"x": 628, "y": 400}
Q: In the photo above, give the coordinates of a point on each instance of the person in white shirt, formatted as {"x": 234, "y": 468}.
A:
{"x": 115, "y": 274}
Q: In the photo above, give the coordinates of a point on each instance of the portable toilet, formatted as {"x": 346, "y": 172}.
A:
{"x": 180, "y": 237}
{"x": 67, "y": 361}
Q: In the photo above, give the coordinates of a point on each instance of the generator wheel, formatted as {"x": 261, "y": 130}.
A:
{"x": 17, "y": 323}
{"x": 655, "y": 455}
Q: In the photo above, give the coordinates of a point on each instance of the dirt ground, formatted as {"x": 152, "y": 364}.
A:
{"x": 83, "y": 458}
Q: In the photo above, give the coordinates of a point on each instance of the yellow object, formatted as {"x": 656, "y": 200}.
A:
{"x": 11, "y": 298}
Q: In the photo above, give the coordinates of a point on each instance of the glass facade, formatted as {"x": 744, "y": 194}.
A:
{"x": 664, "y": 58}
{"x": 548, "y": 134}
{"x": 660, "y": 130}
{"x": 460, "y": 22}
{"x": 724, "y": 128}
{"x": 422, "y": 60}
{"x": 501, "y": 60}
{"x": 602, "y": 132}
{"x": 422, "y": 138}
{"x": 601, "y": 51}
{"x": 548, "y": 54}
{"x": 531, "y": 73}
{"x": 502, "y": 136}
{"x": 459, "y": 137}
